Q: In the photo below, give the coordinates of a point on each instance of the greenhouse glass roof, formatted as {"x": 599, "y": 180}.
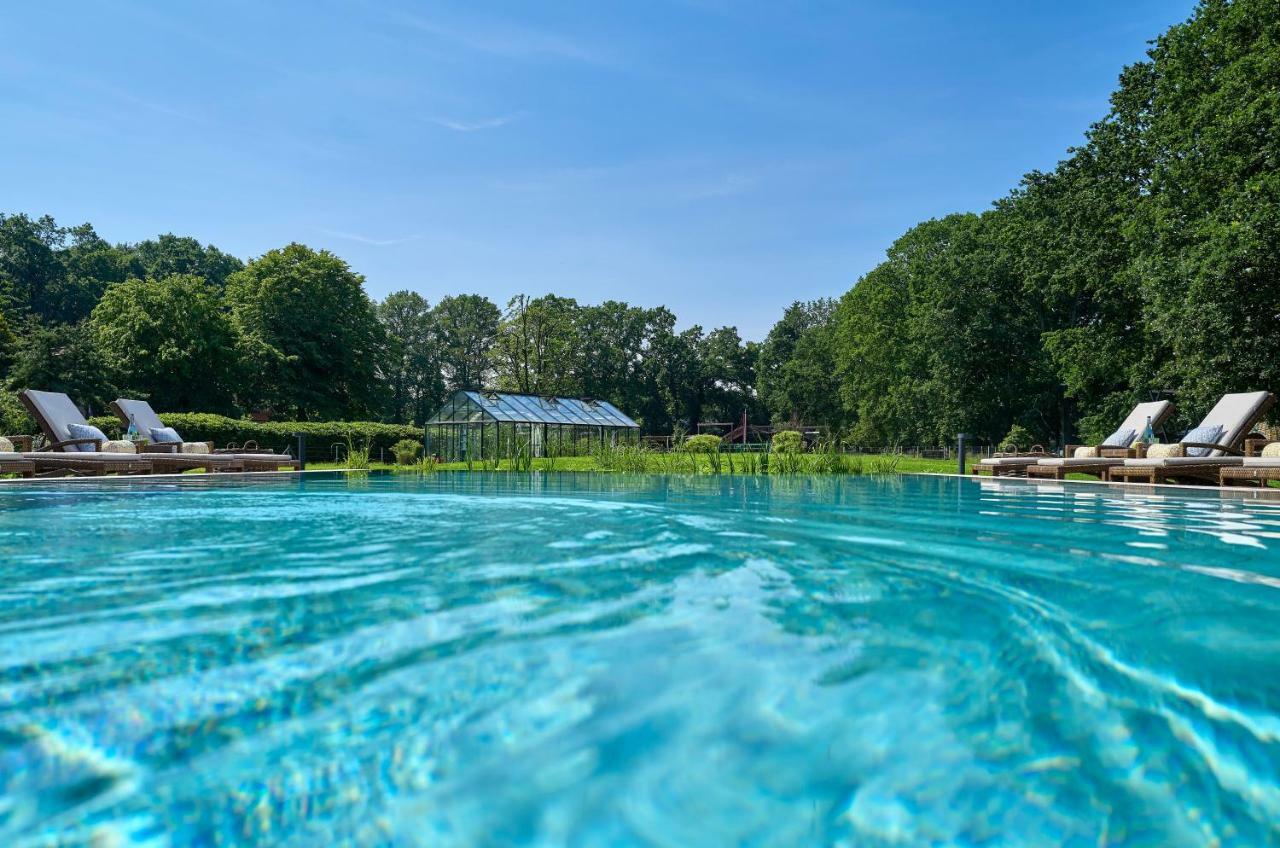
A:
{"x": 466, "y": 407}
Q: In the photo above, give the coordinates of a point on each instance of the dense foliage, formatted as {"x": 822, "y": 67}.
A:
{"x": 1146, "y": 262}
{"x": 292, "y": 334}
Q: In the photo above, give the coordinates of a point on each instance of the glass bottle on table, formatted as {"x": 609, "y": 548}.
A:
{"x": 1149, "y": 435}
{"x": 132, "y": 433}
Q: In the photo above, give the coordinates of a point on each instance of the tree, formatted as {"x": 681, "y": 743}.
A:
{"x": 938, "y": 340}
{"x": 169, "y": 254}
{"x": 30, "y": 271}
{"x": 612, "y": 340}
{"x": 90, "y": 264}
{"x": 307, "y": 324}
{"x": 64, "y": 358}
{"x": 413, "y": 367}
{"x": 170, "y": 341}
{"x": 1206, "y": 235}
{"x": 468, "y": 326}
{"x": 536, "y": 348}
{"x": 796, "y": 366}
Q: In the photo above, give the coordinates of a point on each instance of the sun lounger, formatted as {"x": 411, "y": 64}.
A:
{"x": 145, "y": 419}
{"x": 12, "y": 461}
{"x": 65, "y": 454}
{"x": 1254, "y": 469}
{"x": 1234, "y": 415}
{"x": 1105, "y": 456}
{"x": 1008, "y": 466}
{"x": 55, "y": 413}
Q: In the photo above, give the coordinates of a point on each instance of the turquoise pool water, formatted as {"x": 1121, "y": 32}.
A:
{"x": 603, "y": 660}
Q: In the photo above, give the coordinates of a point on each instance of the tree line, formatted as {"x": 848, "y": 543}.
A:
{"x": 292, "y": 333}
{"x": 1146, "y": 263}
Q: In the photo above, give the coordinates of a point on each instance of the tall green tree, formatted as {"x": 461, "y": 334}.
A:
{"x": 312, "y": 333}
{"x": 938, "y": 340}
{"x": 30, "y": 270}
{"x": 1206, "y": 235}
{"x": 796, "y": 378}
{"x": 168, "y": 254}
{"x": 413, "y": 366}
{"x": 64, "y": 358}
{"x": 612, "y": 340}
{"x": 468, "y": 326}
{"x": 169, "y": 341}
{"x": 537, "y": 346}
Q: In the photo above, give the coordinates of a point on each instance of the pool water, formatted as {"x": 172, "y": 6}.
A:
{"x": 607, "y": 660}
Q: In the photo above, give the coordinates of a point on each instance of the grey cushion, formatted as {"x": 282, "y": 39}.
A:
{"x": 139, "y": 412}
{"x": 86, "y": 431}
{"x": 1120, "y": 438}
{"x": 165, "y": 435}
{"x": 1208, "y": 434}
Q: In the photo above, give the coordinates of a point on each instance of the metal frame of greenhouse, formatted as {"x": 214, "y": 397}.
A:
{"x": 474, "y": 425}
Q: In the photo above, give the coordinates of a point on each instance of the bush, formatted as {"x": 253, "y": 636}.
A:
{"x": 1018, "y": 437}
{"x": 14, "y": 418}
{"x": 278, "y": 435}
{"x": 704, "y": 443}
{"x": 788, "y": 441}
{"x": 406, "y": 451}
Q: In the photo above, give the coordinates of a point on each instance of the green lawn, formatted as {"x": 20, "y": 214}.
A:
{"x": 683, "y": 464}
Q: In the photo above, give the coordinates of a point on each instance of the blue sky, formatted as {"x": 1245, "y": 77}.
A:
{"x": 721, "y": 158}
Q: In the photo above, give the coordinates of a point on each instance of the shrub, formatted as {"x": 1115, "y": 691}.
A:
{"x": 703, "y": 443}
{"x": 277, "y": 435}
{"x": 14, "y": 418}
{"x": 788, "y": 441}
{"x": 1018, "y": 437}
{"x": 406, "y": 451}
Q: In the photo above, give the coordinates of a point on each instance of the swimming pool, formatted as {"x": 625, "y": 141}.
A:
{"x": 604, "y": 660}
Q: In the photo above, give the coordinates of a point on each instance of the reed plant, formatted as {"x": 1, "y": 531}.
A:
{"x": 881, "y": 465}
{"x": 357, "y": 458}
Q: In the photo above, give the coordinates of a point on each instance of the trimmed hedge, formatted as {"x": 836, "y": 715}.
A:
{"x": 788, "y": 441}
{"x": 704, "y": 443}
{"x": 277, "y": 435}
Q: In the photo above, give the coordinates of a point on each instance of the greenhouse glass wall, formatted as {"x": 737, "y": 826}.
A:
{"x": 498, "y": 425}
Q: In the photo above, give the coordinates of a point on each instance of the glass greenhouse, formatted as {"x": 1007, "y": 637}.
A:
{"x": 499, "y": 425}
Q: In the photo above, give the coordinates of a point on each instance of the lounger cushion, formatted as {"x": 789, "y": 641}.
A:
{"x": 1235, "y": 413}
{"x": 85, "y": 431}
{"x": 1082, "y": 460}
{"x": 1087, "y": 452}
{"x": 119, "y": 446}
{"x": 196, "y": 447}
{"x": 1206, "y": 433}
{"x": 1177, "y": 461}
{"x": 165, "y": 435}
{"x": 1009, "y": 461}
{"x": 1121, "y": 438}
{"x": 1165, "y": 451}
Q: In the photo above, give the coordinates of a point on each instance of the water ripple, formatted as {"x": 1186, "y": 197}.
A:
{"x": 573, "y": 659}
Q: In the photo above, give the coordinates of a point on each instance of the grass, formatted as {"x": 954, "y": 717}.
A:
{"x": 629, "y": 460}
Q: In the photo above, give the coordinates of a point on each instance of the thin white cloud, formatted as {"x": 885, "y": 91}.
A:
{"x": 506, "y": 39}
{"x": 474, "y": 126}
{"x": 373, "y": 240}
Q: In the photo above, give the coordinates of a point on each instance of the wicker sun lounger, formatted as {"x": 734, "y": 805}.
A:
{"x": 1254, "y": 471}
{"x": 14, "y": 462}
{"x": 1107, "y": 457}
{"x": 54, "y": 411}
{"x": 145, "y": 419}
{"x": 1236, "y": 414}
